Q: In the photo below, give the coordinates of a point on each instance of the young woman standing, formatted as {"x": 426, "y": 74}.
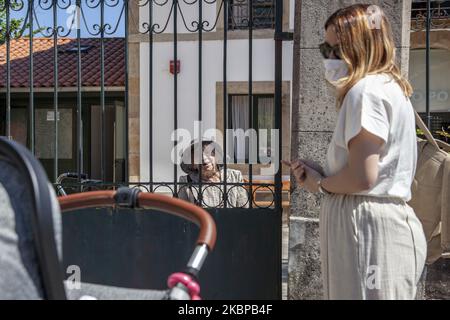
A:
{"x": 372, "y": 244}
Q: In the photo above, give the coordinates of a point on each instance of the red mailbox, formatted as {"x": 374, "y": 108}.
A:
{"x": 172, "y": 66}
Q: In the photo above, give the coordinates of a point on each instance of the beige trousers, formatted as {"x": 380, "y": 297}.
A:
{"x": 371, "y": 248}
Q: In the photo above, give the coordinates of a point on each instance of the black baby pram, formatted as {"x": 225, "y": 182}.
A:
{"x": 31, "y": 233}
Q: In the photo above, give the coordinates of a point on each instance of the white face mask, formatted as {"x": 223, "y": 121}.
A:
{"x": 335, "y": 69}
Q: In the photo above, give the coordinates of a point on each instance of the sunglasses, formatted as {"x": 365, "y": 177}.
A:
{"x": 326, "y": 50}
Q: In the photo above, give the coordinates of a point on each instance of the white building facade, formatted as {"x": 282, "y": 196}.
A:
{"x": 187, "y": 48}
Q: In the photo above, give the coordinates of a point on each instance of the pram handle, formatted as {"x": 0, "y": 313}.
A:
{"x": 174, "y": 206}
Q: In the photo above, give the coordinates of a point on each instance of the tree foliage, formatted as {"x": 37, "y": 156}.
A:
{"x": 15, "y": 24}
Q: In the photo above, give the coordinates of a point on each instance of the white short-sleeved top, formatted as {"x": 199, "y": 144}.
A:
{"x": 378, "y": 104}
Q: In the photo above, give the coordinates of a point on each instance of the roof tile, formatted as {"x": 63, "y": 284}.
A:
{"x": 43, "y": 52}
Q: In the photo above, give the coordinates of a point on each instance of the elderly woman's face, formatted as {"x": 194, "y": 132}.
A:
{"x": 209, "y": 163}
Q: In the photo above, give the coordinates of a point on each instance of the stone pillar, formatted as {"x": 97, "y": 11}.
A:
{"x": 313, "y": 120}
{"x": 133, "y": 93}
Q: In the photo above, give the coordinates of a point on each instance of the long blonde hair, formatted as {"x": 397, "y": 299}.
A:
{"x": 366, "y": 45}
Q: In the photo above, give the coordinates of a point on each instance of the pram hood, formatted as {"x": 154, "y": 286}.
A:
{"x": 20, "y": 277}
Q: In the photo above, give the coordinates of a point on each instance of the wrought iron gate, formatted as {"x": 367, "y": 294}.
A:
{"x": 123, "y": 247}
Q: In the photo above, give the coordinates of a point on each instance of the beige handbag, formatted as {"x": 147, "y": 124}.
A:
{"x": 431, "y": 192}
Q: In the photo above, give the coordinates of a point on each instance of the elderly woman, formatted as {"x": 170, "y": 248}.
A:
{"x": 212, "y": 178}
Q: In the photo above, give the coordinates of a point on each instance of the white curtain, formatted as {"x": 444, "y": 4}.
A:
{"x": 266, "y": 113}
{"x": 266, "y": 120}
{"x": 240, "y": 117}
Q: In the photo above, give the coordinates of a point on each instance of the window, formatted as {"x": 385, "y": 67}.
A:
{"x": 74, "y": 49}
{"x": 263, "y": 14}
{"x": 19, "y": 124}
{"x": 263, "y": 111}
{"x": 439, "y": 88}
{"x": 440, "y": 125}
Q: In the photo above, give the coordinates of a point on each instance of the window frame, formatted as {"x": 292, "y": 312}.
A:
{"x": 254, "y": 112}
{"x": 271, "y": 4}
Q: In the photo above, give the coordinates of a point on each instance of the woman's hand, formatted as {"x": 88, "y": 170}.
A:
{"x": 297, "y": 169}
{"x": 306, "y": 176}
{"x": 313, "y": 177}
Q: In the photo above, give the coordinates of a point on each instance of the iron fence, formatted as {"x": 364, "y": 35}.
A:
{"x": 40, "y": 19}
{"x": 43, "y": 19}
{"x": 439, "y": 13}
